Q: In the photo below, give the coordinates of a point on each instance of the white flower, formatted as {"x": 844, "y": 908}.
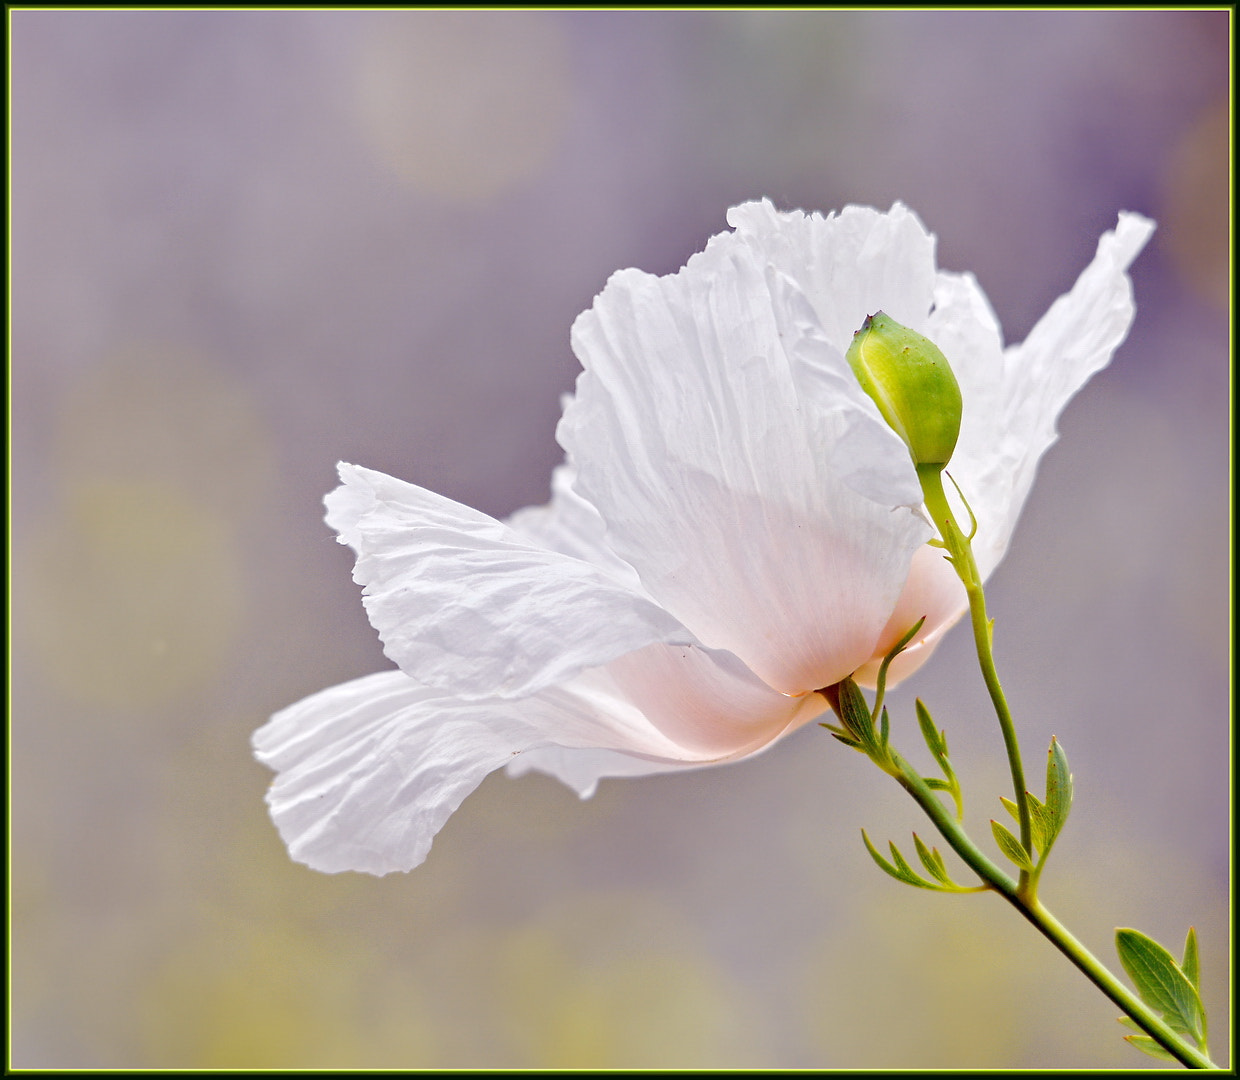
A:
{"x": 735, "y": 528}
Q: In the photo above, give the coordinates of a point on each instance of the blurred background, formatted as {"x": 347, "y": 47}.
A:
{"x": 248, "y": 244}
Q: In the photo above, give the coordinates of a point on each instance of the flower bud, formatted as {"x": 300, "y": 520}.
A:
{"x": 912, "y": 384}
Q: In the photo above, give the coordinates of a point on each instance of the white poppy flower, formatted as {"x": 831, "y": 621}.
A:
{"x": 736, "y": 527}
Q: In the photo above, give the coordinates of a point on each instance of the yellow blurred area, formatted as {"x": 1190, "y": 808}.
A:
{"x": 266, "y": 995}
{"x": 611, "y": 980}
{"x": 965, "y": 973}
{"x": 1197, "y": 199}
{"x": 923, "y": 980}
{"x": 463, "y": 105}
{"x": 136, "y": 592}
{"x": 614, "y": 981}
{"x": 162, "y": 412}
{"x": 134, "y": 582}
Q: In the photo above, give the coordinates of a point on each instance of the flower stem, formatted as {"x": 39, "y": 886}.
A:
{"x": 1050, "y": 927}
{"x": 1022, "y": 893}
{"x": 961, "y": 551}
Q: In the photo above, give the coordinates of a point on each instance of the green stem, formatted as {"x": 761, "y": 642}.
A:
{"x": 961, "y": 552}
{"x": 1051, "y": 928}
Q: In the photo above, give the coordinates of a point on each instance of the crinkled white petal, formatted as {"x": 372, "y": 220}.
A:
{"x": 570, "y": 525}
{"x": 582, "y": 770}
{"x": 729, "y": 489}
{"x": 849, "y": 264}
{"x": 866, "y": 454}
{"x": 1013, "y": 398}
{"x": 1011, "y": 401}
{"x": 1074, "y": 339}
{"x": 964, "y": 327}
{"x": 369, "y": 771}
{"x": 464, "y": 603}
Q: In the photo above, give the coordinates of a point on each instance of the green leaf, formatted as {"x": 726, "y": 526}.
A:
{"x": 1037, "y": 816}
{"x": 1161, "y": 983}
{"x": 855, "y": 713}
{"x": 1010, "y": 846}
{"x": 935, "y": 740}
{"x": 1041, "y": 826}
{"x": 932, "y": 861}
{"x": 902, "y": 864}
{"x": 1191, "y": 965}
{"x": 935, "y": 784}
{"x": 901, "y": 871}
{"x": 1148, "y": 1046}
{"x": 843, "y": 736}
{"x": 1058, "y": 791}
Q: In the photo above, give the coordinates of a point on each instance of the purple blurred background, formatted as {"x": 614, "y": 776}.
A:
{"x": 247, "y": 244}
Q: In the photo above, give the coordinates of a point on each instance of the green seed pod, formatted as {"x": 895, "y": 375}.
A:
{"x": 912, "y": 384}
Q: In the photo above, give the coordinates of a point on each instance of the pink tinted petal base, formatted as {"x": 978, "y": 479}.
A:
{"x": 731, "y": 494}
{"x": 934, "y": 591}
{"x": 369, "y": 771}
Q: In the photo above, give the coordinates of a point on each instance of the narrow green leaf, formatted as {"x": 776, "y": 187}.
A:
{"x": 855, "y": 713}
{"x": 1148, "y": 1046}
{"x": 884, "y": 729}
{"x": 1010, "y": 846}
{"x": 936, "y": 784}
{"x": 934, "y": 739}
{"x": 1040, "y": 826}
{"x": 843, "y": 736}
{"x": 1160, "y": 982}
{"x": 937, "y": 742}
{"x": 902, "y": 863}
{"x": 932, "y": 861}
{"x": 1035, "y": 822}
{"x": 1191, "y": 965}
{"x": 901, "y": 872}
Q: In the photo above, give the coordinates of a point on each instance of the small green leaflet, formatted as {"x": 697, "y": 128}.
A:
{"x": 936, "y": 740}
{"x": 900, "y": 869}
{"x": 1058, "y": 792}
{"x": 1143, "y": 1042}
{"x": 1191, "y": 965}
{"x": 1010, "y": 846}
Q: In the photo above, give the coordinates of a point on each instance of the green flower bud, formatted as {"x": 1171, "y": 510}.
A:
{"x": 912, "y": 384}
